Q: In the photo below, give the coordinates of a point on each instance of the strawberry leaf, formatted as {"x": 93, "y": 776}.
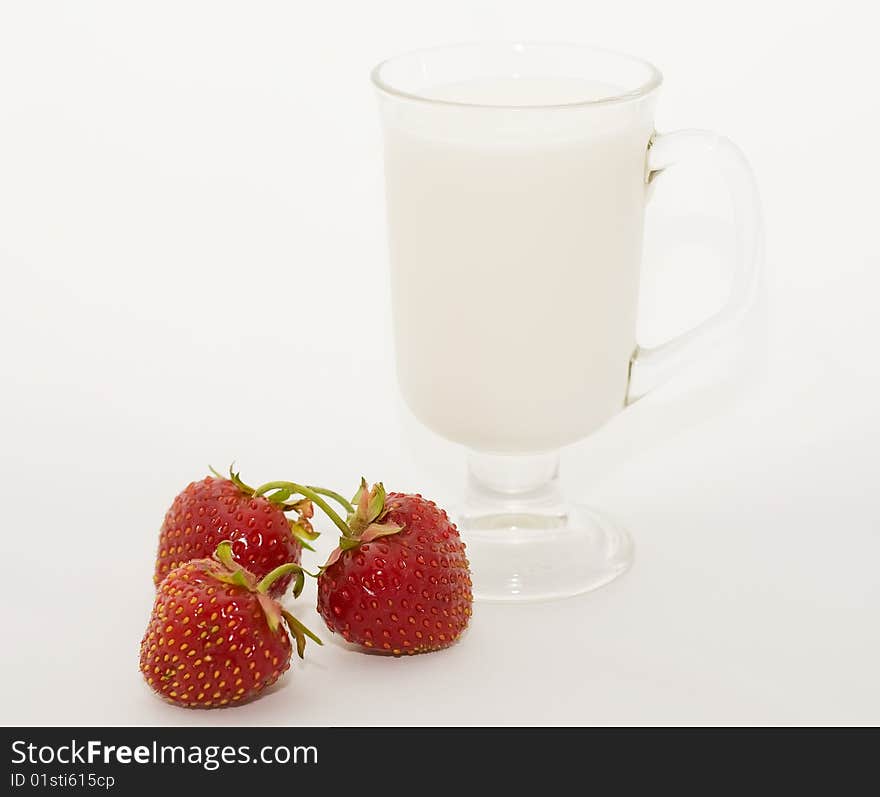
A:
{"x": 279, "y": 496}
{"x": 235, "y": 478}
{"x": 237, "y": 579}
{"x": 333, "y": 558}
{"x": 360, "y": 491}
{"x": 376, "y": 530}
{"x": 302, "y": 530}
{"x": 299, "y": 631}
{"x": 377, "y": 502}
{"x": 272, "y": 610}
{"x": 304, "y": 508}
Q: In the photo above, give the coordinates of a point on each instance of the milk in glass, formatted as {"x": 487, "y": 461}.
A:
{"x": 515, "y": 242}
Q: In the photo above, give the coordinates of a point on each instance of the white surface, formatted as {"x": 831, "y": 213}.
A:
{"x": 193, "y": 262}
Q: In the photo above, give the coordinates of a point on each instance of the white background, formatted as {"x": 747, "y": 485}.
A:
{"x": 193, "y": 270}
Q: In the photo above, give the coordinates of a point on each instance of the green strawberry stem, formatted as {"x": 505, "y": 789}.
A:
{"x": 246, "y": 488}
{"x": 224, "y": 555}
{"x": 343, "y": 502}
{"x": 271, "y": 608}
{"x": 313, "y": 495}
{"x": 240, "y": 576}
{"x": 279, "y": 572}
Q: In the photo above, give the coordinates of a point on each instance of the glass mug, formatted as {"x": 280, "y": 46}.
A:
{"x": 517, "y": 177}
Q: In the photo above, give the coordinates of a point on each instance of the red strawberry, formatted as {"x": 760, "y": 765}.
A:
{"x": 399, "y": 580}
{"x": 216, "y": 509}
{"x": 215, "y": 637}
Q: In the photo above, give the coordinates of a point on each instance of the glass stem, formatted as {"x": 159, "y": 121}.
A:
{"x": 502, "y": 485}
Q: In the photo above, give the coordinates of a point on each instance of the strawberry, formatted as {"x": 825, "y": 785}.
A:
{"x": 263, "y": 538}
{"x": 215, "y": 637}
{"x": 399, "y": 581}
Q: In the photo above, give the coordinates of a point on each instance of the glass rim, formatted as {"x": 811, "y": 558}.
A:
{"x": 651, "y": 83}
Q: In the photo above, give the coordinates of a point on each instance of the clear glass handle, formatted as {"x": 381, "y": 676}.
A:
{"x": 651, "y": 366}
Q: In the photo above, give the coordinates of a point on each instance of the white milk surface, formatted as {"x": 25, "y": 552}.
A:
{"x": 523, "y": 91}
{"x": 515, "y": 257}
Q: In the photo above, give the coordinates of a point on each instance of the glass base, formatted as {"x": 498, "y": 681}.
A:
{"x": 525, "y": 544}
{"x": 527, "y": 558}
